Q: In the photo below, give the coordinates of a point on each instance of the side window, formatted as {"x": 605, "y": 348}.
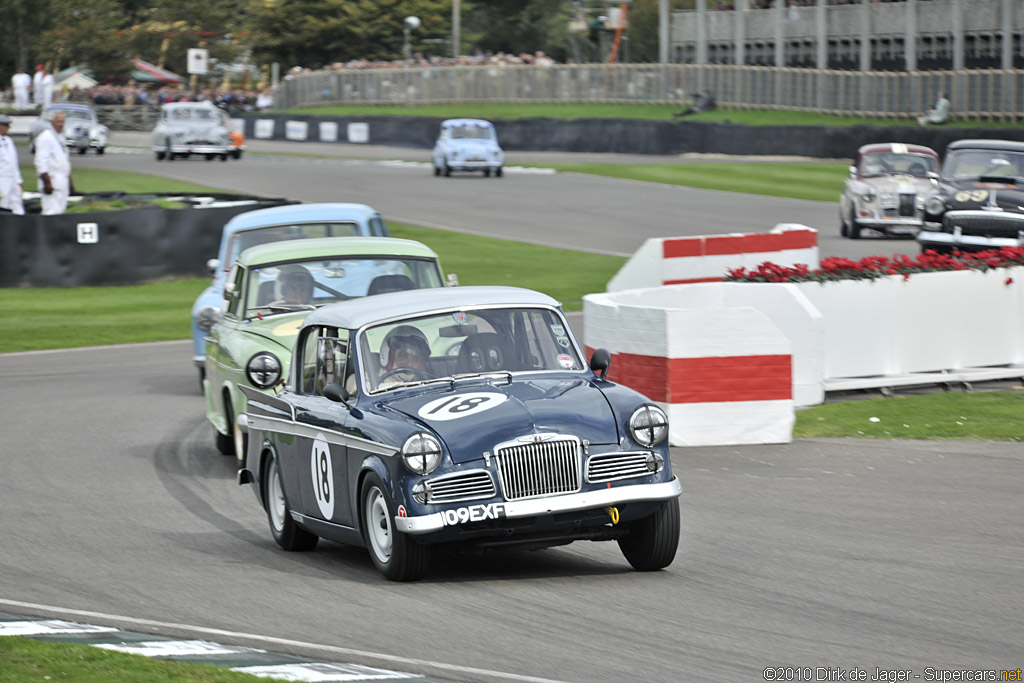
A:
{"x": 332, "y": 361}
{"x": 308, "y": 360}
{"x": 233, "y": 290}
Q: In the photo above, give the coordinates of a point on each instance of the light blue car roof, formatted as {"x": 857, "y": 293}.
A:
{"x": 69, "y": 107}
{"x": 454, "y": 123}
{"x": 355, "y": 313}
{"x": 298, "y": 213}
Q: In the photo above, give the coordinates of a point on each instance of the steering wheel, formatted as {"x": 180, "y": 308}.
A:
{"x": 416, "y": 374}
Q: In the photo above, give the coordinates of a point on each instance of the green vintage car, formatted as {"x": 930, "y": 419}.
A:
{"x": 268, "y": 294}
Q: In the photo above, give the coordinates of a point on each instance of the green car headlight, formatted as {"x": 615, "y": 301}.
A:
{"x": 263, "y": 370}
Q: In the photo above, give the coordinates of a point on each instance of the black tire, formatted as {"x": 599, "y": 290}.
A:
{"x": 224, "y": 156}
{"x": 202, "y": 376}
{"x": 83, "y": 150}
{"x": 160, "y": 156}
{"x": 226, "y": 442}
{"x": 652, "y": 541}
{"x": 437, "y": 171}
{"x": 447, "y": 170}
{"x": 498, "y": 172}
{"x": 282, "y": 527}
{"x": 487, "y": 173}
{"x": 854, "y": 229}
{"x": 101, "y": 150}
{"x": 395, "y": 555}
{"x": 210, "y": 157}
{"x": 170, "y": 154}
{"x": 236, "y": 154}
{"x": 844, "y": 228}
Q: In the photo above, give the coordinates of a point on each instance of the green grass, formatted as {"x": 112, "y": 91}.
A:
{"x": 23, "y": 660}
{"x": 987, "y": 416}
{"x": 511, "y": 111}
{"x": 55, "y": 318}
{"x": 97, "y": 180}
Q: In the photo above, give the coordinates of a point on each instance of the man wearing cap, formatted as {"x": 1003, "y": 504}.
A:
{"x": 37, "y": 84}
{"x": 53, "y": 166}
{"x": 10, "y": 174}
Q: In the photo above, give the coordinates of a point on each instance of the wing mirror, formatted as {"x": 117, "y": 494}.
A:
{"x": 336, "y": 392}
{"x": 452, "y": 280}
{"x": 212, "y": 264}
{"x": 853, "y": 171}
{"x": 599, "y": 362}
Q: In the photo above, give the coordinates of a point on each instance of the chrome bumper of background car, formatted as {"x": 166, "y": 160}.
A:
{"x": 199, "y": 361}
{"x": 929, "y": 238}
{"x": 199, "y": 149}
{"x": 544, "y": 506}
{"x": 907, "y": 225}
{"x": 473, "y": 164}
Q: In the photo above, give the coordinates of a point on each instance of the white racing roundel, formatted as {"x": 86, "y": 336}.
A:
{"x": 323, "y": 476}
{"x": 461, "y": 405}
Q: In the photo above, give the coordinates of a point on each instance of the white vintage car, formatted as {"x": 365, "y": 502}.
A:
{"x": 467, "y": 145}
{"x": 887, "y": 188}
{"x": 82, "y": 129}
{"x": 187, "y": 128}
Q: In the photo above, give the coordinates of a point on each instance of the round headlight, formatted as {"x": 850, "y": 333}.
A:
{"x": 207, "y": 317}
{"x": 868, "y": 195}
{"x": 648, "y": 426}
{"x": 263, "y": 370}
{"x": 421, "y": 453}
{"x": 934, "y": 205}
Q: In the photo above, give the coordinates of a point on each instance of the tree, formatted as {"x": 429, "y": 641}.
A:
{"x": 23, "y": 21}
{"x": 84, "y": 33}
{"x": 515, "y": 26}
{"x": 314, "y": 33}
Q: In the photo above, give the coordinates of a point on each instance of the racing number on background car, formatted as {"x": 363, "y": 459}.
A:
{"x": 323, "y": 476}
{"x": 463, "y": 405}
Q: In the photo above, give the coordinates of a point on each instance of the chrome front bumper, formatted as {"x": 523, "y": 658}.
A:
{"x": 956, "y": 240}
{"x": 533, "y": 507}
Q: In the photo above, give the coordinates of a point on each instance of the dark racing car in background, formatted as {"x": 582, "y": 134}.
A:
{"x": 465, "y": 417}
{"x": 979, "y": 201}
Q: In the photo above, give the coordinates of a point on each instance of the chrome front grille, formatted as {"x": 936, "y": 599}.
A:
{"x": 907, "y": 203}
{"x": 541, "y": 468}
{"x": 612, "y": 466}
{"x": 986, "y": 223}
{"x": 463, "y": 486}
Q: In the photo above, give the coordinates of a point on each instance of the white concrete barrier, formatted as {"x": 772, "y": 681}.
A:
{"x": 708, "y": 258}
{"x": 723, "y": 374}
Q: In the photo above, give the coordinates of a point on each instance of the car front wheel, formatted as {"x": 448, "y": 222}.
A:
{"x": 394, "y": 554}
{"x": 225, "y": 442}
{"x": 498, "y": 172}
{"x": 854, "y": 228}
{"x": 651, "y": 542}
{"x": 283, "y": 528}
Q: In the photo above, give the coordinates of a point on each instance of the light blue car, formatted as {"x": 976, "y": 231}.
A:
{"x": 467, "y": 145}
{"x": 276, "y": 224}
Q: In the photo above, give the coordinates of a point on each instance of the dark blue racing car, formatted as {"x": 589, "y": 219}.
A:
{"x": 465, "y": 417}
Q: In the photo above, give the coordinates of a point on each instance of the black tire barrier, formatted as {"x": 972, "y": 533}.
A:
{"x": 129, "y": 246}
{"x": 627, "y": 136}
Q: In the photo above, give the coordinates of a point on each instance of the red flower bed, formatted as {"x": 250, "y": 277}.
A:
{"x": 873, "y": 267}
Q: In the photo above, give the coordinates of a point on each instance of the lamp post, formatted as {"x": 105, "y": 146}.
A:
{"x": 410, "y": 25}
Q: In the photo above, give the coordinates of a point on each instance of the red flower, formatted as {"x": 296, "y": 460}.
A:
{"x": 1009, "y": 281}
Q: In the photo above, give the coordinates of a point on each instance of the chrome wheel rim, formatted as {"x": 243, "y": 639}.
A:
{"x": 275, "y": 497}
{"x": 378, "y": 524}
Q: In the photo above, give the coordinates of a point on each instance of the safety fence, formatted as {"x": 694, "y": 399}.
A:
{"x": 982, "y": 95}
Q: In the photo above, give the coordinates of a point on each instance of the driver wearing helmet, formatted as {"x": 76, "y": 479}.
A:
{"x": 295, "y": 286}
{"x": 403, "y": 356}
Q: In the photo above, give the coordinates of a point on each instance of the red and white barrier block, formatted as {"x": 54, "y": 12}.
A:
{"x": 723, "y": 375}
{"x": 707, "y": 258}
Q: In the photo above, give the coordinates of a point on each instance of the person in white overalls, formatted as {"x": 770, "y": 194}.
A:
{"x": 53, "y": 166}
{"x": 21, "y": 82}
{"x": 10, "y": 174}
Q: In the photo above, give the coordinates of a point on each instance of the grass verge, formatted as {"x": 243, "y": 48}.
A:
{"x": 23, "y": 660}
{"x": 985, "y": 416}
